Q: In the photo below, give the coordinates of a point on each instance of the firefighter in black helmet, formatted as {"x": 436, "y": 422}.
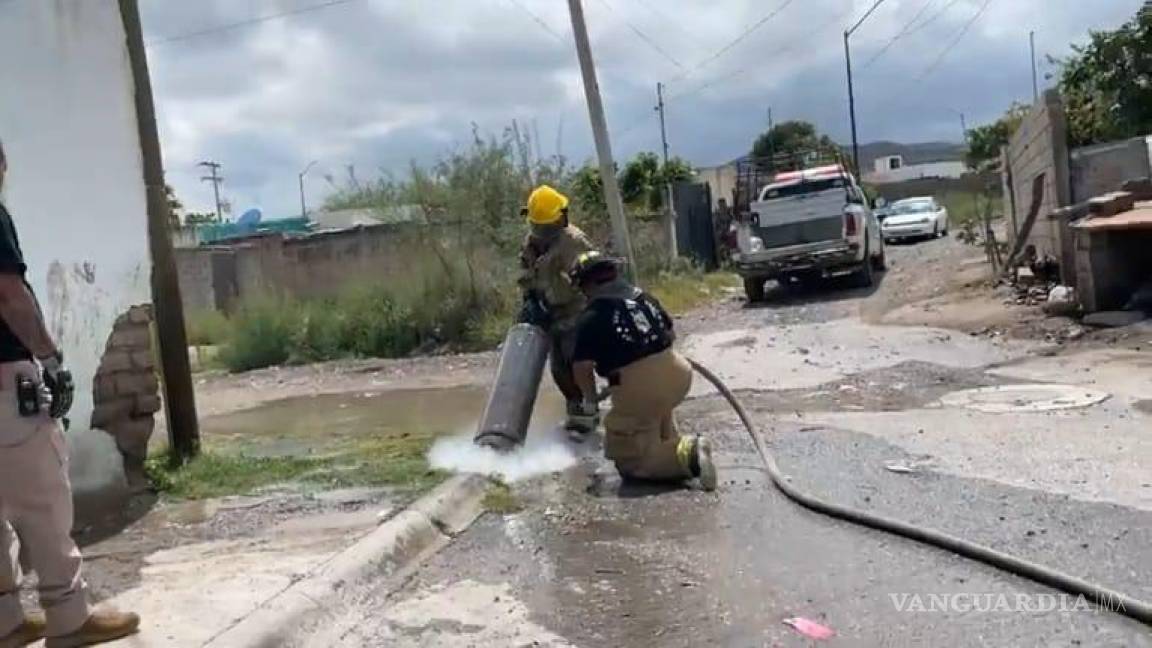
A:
{"x": 626, "y": 336}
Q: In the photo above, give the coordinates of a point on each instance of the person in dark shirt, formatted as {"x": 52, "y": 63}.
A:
{"x": 626, "y": 336}
{"x": 35, "y": 495}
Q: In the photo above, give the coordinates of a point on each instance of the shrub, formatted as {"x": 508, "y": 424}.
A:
{"x": 207, "y": 328}
{"x": 261, "y": 335}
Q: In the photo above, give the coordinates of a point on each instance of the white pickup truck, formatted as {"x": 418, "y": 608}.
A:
{"x": 807, "y": 225}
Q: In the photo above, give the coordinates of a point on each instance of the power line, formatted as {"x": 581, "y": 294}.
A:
{"x": 540, "y": 21}
{"x": 736, "y": 41}
{"x": 247, "y": 23}
{"x": 934, "y": 17}
{"x": 960, "y": 36}
{"x": 644, "y": 37}
{"x": 695, "y": 38}
{"x": 871, "y": 10}
{"x": 804, "y": 40}
{"x": 900, "y": 34}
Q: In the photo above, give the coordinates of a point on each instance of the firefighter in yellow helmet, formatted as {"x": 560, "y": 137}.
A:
{"x": 550, "y": 301}
{"x": 626, "y": 336}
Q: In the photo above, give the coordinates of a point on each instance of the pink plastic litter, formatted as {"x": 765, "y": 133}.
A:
{"x": 809, "y": 628}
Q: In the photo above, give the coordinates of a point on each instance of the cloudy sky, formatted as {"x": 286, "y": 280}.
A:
{"x": 374, "y": 84}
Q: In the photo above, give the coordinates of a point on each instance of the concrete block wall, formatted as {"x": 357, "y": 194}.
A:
{"x": 1039, "y": 147}
{"x": 126, "y": 390}
{"x": 1110, "y": 265}
{"x": 327, "y": 263}
{"x": 1104, "y": 168}
{"x": 194, "y": 266}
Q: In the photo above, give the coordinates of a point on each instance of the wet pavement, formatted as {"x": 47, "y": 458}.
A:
{"x": 861, "y": 415}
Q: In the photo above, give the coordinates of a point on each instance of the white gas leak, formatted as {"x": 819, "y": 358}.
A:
{"x": 546, "y": 451}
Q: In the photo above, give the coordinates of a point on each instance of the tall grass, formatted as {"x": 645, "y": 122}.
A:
{"x": 443, "y": 303}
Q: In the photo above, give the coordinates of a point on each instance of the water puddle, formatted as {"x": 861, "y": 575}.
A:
{"x": 329, "y": 424}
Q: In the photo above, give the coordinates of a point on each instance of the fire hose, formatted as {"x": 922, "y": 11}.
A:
{"x": 1102, "y": 596}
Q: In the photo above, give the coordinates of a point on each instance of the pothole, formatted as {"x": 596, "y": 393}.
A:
{"x": 1037, "y": 397}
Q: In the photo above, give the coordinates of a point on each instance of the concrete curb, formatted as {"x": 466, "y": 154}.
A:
{"x": 395, "y": 545}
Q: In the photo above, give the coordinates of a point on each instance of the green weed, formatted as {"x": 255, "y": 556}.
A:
{"x": 500, "y": 499}
{"x": 207, "y": 328}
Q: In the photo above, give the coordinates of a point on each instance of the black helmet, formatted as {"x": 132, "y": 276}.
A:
{"x": 589, "y": 264}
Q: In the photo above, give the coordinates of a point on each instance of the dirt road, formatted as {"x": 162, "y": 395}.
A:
{"x": 861, "y": 411}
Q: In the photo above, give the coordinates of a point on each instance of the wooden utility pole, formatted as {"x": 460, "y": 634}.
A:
{"x": 300, "y": 177}
{"x": 1035, "y": 78}
{"x": 669, "y": 207}
{"x": 621, "y": 240}
{"x": 179, "y": 398}
{"x": 215, "y": 178}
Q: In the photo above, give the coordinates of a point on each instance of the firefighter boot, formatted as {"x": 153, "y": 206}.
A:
{"x": 27, "y": 633}
{"x": 583, "y": 418}
{"x": 695, "y": 454}
{"x": 101, "y": 627}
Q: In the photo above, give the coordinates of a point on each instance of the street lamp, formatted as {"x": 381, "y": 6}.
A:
{"x": 303, "y": 204}
{"x": 851, "y": 95}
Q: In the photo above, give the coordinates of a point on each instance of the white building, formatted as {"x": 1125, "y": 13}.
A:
{"x": 891, "y": 169}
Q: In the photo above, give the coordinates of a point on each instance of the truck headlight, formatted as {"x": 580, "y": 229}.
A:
{"x": 755, "y": 244}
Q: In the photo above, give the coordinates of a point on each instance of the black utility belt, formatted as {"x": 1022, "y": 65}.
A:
{"x": 28, "y": 400}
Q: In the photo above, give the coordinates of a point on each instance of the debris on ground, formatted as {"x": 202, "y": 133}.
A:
{"x": 901, "y": 468}
{"x": 809, "y": 628}
{"x": 1061, "y": 300}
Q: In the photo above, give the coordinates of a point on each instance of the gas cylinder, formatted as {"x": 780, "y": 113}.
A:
{"x": 512, "y": 397}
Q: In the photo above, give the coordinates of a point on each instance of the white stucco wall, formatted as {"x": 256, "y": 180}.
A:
{"x": 75, "y": 187}
{"x": 952, "y": 169}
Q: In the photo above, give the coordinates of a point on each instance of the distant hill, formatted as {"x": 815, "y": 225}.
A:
{"x": 920, "y": 153}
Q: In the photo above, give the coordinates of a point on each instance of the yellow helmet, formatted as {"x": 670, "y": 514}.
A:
{"x": 545, "y": 205}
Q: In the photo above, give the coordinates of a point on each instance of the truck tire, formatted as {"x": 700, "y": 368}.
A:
{"x": 754, "y": 288}
{"x": 863, "y": 277}
{"x": 880, "y": 261}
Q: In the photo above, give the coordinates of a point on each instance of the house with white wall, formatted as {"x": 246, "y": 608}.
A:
{"x": 890, "y": 169}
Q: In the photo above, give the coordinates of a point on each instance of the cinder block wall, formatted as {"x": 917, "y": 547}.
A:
{"x": 1110, "y": 266}
{"x": 1039, "y": 146}
{"x": 127, "y": 390}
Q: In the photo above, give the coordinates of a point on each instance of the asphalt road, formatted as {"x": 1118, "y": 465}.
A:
{"x": 591, "y": 563}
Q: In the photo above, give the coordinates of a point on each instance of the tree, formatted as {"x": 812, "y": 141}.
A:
{"x": 197, "y": 218}
{"x": 985, "y": 142}
{"x": 174, "y": 206}
{"x": 643, "y": 181}
{"x": 587, "y": 191}
{"x": 1107, "y": 84}
{"x": 788, "y": 145}
{"x": 640, "y": 180}
{"x": 678, "y": 170}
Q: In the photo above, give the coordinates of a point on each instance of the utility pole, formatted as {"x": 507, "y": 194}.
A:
{"x": 1035, "y": 81}
{"x": 621, "y": 240}
{"x": 669, "y": 208}
{"x": 852, "y": 106}
{"x": 771, "y": 141}
{"x": 851, "y": 94}
{"x": 215, "y": 179}
{"x": 175, "y": 372}
{"x": 300, "y": 176}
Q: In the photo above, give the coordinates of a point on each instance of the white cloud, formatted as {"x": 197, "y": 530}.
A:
{"x": 374, "y": 83}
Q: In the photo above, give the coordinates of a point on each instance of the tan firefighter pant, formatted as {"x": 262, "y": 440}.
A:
{"x": 36, "y": 500}
{"x": 640, "y": 433}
